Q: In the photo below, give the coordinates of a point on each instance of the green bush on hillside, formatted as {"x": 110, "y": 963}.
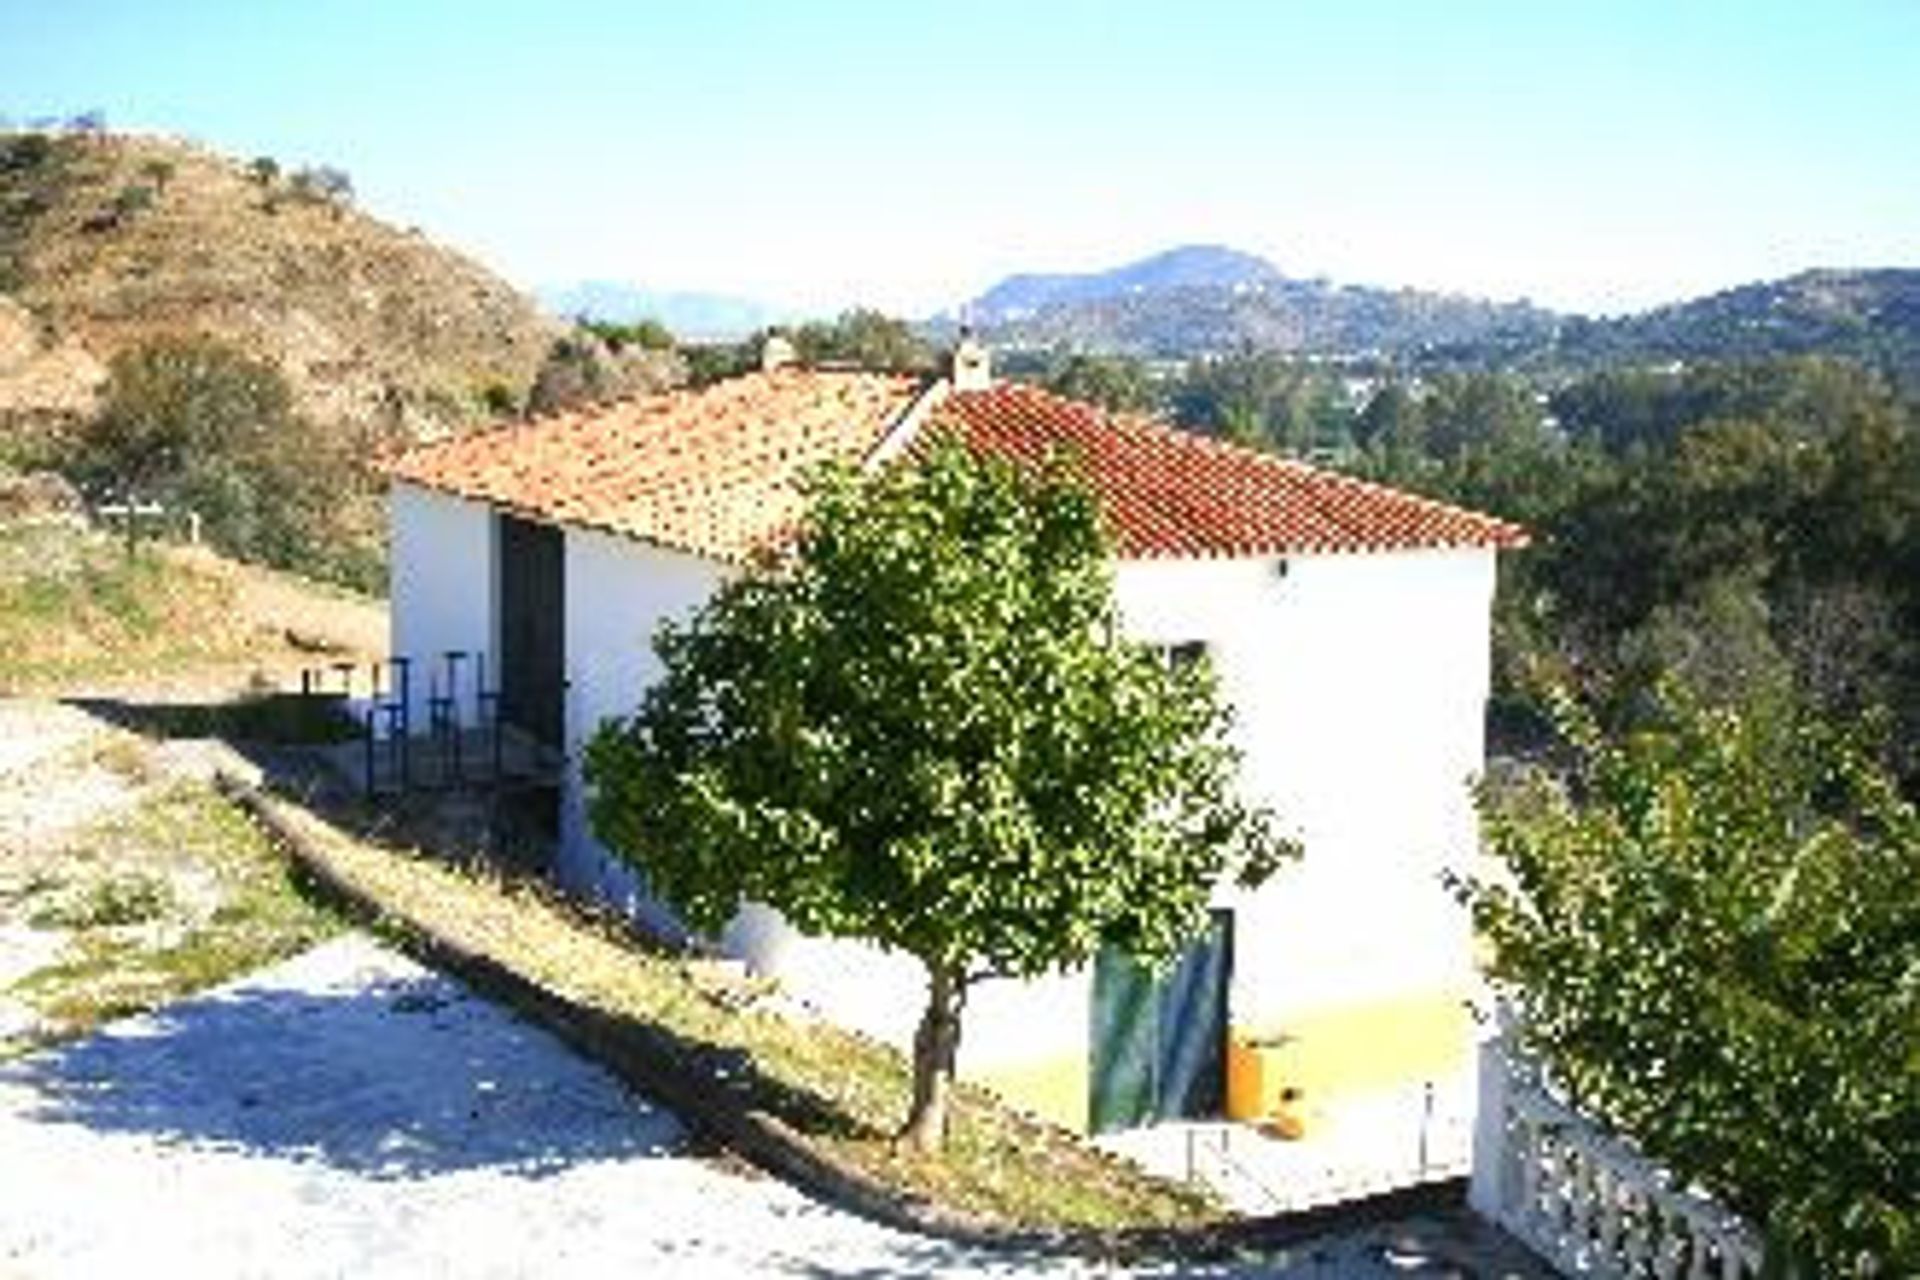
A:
{"x": 198, "y": 426}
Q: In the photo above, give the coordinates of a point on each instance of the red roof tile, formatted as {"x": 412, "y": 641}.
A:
{"x": 710, "y": 471}
{"x": 714, "y": 471}
{"x": 1170, "y": 493}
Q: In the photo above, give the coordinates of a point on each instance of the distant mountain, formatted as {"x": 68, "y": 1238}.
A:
{"x": 687, "y": 314}
{"x": 1869, "y": 315}
{"x": 1190, "y": 267}
{"x": 1204, "y": 299}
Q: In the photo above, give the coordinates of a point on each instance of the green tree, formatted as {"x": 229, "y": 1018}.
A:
{"x": 648, "y": 335}
{"x": 171, "y": 402}
{"x": 1470, "y": 412}
{"x": 1622, "y": 409}
{"x": 576, "y": 372}
{"x": 710, "y": 362}
{"x": 1264, "y": 399}
{"x": 1712, "y": 928}
{"x": 129, "y": 200}
{"x": 195, "y": 424}
{"x": 1118, "y": 383}
{"x": 926, "y": 731}
{"x": 1717, "y": 644}
{"x": 866, "y": 338}
{"x": 1244, "y": 396}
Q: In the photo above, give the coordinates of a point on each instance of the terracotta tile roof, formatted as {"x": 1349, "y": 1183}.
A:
{"x": 1170, "y": 493}
{"x": 709, "y": 471}
{"x": 713, "y": 472}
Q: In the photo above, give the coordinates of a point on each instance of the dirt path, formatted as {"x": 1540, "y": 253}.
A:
{"x": 123, "y": 879}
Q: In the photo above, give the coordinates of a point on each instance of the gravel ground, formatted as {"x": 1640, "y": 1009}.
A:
{"x": 32, "y": 730}
{"x": 349, "y": 1113}
{"x": 46, "y": 787}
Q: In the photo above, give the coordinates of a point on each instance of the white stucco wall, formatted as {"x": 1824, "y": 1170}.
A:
{"x": 618, "y": 592}
{"x": 443, "y": 586}
{"x": 1359, "y": 686}
{"x": 881, "y": 993}
{"x": 1358, "y": 683}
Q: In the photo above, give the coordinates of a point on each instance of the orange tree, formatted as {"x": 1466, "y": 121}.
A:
{"x": 924, "y": 730}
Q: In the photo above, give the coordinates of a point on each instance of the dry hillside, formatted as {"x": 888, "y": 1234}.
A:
{"x": 106, "y": 240}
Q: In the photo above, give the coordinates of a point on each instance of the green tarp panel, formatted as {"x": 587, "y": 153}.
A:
{"x": 1159, "y": 1040}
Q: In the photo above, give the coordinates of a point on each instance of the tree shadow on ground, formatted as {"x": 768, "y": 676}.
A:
{"x": 395, "y": 1074}
{"x": 473, "y": 826}
{"x": 499, "y": 812}
{"x": 256, "y": 720}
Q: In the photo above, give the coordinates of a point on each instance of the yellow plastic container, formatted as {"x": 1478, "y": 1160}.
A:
{"x": 1261, "y": 1072}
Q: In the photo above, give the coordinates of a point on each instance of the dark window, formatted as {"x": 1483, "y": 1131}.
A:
{"x": 1184, "y": 654}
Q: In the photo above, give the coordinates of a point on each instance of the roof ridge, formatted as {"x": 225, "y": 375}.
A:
{"x": 906, "y": 428}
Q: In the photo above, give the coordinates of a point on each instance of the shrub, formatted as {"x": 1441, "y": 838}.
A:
{"x": 1713, "y": 931}
{"x": 131, "y": 199}
{"x": 576, "y": 372}
{"x": 127, "y": 900}
{"x": 648, "y": 335}
{"x": 194, "y": 424}
{"x": 498, "y": 400}
{"x": 322, "y": 184}
{"x": 27, "y": 151}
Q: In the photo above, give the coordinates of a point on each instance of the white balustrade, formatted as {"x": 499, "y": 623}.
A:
{"x": 1584, "y": 1199}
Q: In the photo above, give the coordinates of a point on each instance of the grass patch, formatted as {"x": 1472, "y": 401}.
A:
{"x": 75, "y": 605}
{"x": 137, "y": 945}
{"x": 104, "y": 904}
{"x": 844, "y": 1093}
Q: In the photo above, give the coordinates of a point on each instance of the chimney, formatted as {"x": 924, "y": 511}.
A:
{"x": 972, "y": 365}
{"x": 776, "y": 353}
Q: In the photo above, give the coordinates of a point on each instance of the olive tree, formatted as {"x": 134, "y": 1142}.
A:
{"x": 192, "y": 422}
{"x": 924, "y": 729}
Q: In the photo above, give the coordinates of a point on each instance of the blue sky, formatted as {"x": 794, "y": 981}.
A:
{"x": 1595, "y": 156}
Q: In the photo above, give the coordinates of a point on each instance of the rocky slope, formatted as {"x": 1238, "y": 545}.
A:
{"x": 106, "y": 240}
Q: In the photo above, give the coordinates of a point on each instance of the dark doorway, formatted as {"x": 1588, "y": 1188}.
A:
{"x": 1159, "y": 1040}
{"x": 533, "y": 601}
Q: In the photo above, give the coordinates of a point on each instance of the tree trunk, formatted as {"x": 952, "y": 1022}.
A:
{"x": 935, "y": 1046}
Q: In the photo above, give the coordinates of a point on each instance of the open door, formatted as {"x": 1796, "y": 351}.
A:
{"x": 1159, "y": 1040}
{"x": 533, "y": 646}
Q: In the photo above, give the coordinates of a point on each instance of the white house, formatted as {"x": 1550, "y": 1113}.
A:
{"x": 1348, "y": 624}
